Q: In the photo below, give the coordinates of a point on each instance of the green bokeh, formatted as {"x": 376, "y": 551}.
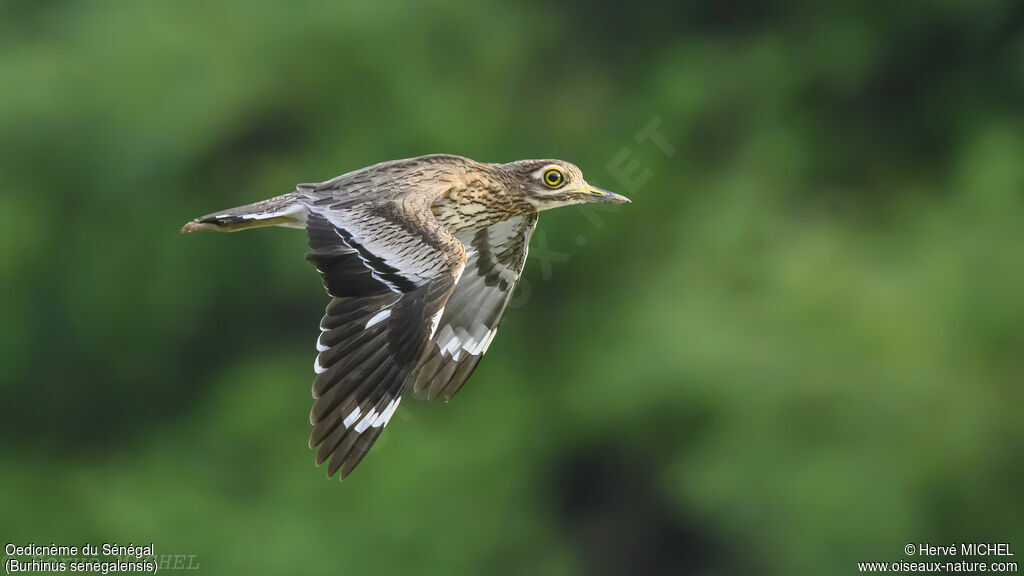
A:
{"x": 800, "y": 347}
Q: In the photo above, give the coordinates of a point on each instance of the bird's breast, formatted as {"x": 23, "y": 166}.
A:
{"x": 469, "y": 209}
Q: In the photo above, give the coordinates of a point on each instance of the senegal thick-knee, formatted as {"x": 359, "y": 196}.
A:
{"x": 420, "y": 257}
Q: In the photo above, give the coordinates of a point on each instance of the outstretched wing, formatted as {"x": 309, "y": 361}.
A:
{"x": 494, "y": 261}
{"x": 390, "y": 268}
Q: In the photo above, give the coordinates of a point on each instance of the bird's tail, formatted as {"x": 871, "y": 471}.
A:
{"x": 284, "y": 210}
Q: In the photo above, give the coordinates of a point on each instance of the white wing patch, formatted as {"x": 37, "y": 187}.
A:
{"x": 373, "y": 418}
{"x": 453, "y": 342}
{"x": 379, "y": 317}
{"x": 487, "y": 343}
{"x": 385, "y": 416}
{"x": 352, "y": 417}
{"x": 434, "y": 320}
{"x": 297, "y": 212}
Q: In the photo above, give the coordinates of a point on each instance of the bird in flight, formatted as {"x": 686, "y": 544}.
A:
{"x": 420, "y": 257}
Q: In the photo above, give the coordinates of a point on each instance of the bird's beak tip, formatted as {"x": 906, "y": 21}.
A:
{"x": 609, "y": 197}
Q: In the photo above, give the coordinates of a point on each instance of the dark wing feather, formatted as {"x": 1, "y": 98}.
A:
{"x": 390, "y": 272}
{"x": 494, "y": 261}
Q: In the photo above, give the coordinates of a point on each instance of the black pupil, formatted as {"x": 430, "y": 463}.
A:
{"x": 553, "y": 177}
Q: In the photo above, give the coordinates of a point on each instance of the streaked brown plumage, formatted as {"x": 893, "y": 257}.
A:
{"x": 420, "y": 257}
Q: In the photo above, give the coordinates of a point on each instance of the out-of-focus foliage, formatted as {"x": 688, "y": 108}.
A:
{"x": 801, "y": 346}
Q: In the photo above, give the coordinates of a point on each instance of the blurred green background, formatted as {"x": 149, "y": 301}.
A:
{"x": 800, "y": 347}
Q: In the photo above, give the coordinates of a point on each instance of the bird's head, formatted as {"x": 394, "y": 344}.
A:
{"x": 553, "y": 183}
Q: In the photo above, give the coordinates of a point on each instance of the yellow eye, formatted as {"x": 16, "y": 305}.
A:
{"x": 553, "y": 177}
